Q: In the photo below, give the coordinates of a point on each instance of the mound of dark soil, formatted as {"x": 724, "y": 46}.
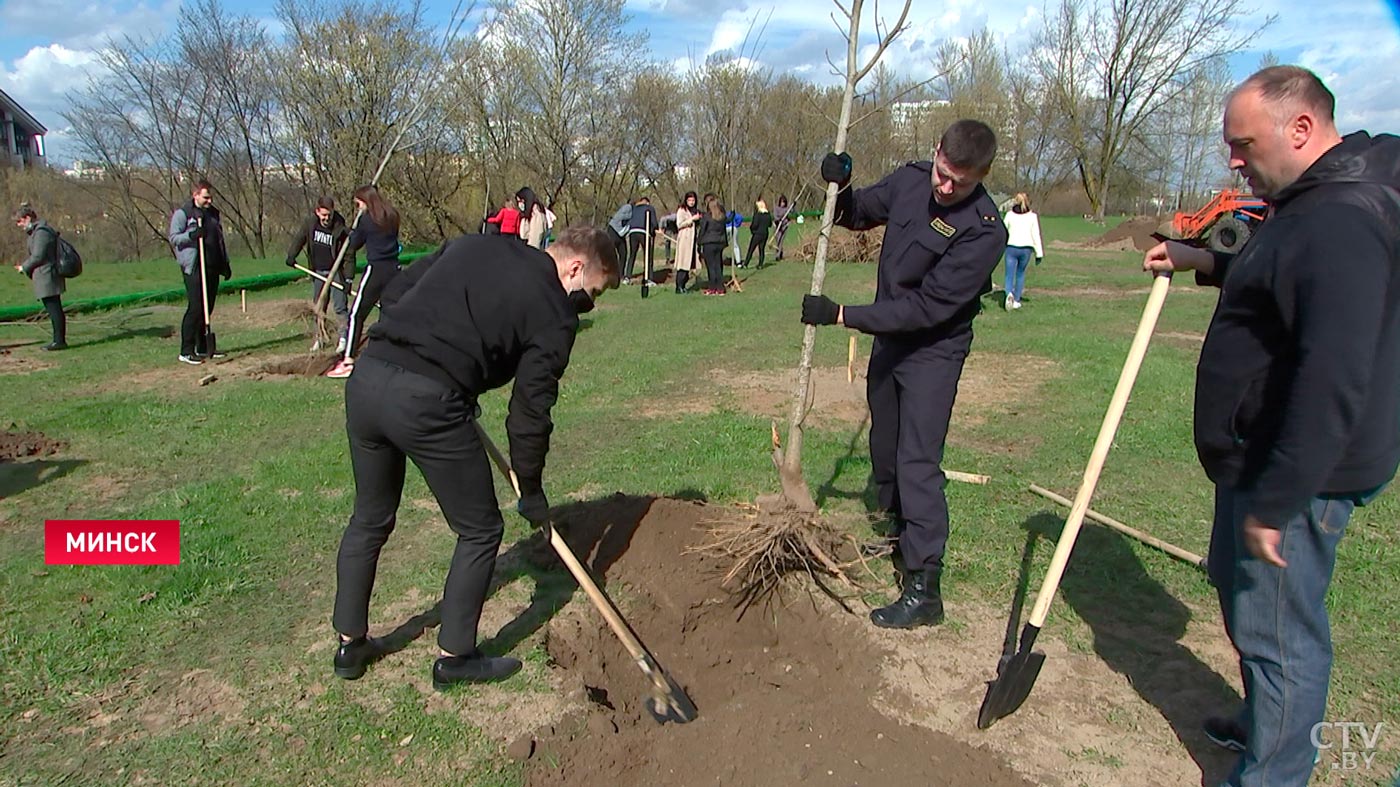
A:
{"x": 1134, "y": 233}
{"x": 24, "y": 445}
{"x": 786, "y": 695}
{"x": 303, "y": 366}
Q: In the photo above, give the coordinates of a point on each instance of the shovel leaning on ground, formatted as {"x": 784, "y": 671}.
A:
{"x": 668, "y": 701}
{"x": 1016, "y": 676}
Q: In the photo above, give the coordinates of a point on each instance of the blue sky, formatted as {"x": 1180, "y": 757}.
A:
{"x": 48, "y": 49}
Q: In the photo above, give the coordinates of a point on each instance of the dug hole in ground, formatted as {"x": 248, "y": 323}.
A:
{"x": 802, "y": 692}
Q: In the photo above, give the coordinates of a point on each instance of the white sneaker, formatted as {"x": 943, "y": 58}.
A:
{"x": 1016, "y": 304}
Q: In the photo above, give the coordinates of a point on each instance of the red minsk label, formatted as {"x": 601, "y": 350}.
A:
{"x": 111, "y": 542}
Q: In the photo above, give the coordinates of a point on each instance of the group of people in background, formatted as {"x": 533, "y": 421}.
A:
{"x": 696, "y": 233}
{"x": 524, "y": 217}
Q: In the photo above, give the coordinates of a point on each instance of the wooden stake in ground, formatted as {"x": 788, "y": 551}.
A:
{"x": 789, "y": 459}
{"x": 243, "y": 300}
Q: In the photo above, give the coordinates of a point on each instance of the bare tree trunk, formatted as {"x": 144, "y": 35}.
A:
{"x": 789, "y": 461}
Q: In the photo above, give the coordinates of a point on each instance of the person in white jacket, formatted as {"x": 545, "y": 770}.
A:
{"x": 1023, "y": 229}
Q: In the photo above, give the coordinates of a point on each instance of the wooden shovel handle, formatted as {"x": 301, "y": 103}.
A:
{"x": 1104, "y": 441}
{"x": 580, "y": 574}
{"x": 203, "y": 278}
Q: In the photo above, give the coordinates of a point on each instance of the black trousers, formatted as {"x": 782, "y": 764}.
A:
{"x": 911, "y": 401}
{"x": 635, "y": 243}
{"x": 759, "y": 242}
{"x": 619, "y": 245}
{"x": 54, "y": 306}
{"x": 392, "y": 414}
{"x": 714, "y": 264}
{"x": 372, "y": 285}
{"x": 193, "y": 327}
{"x": 778, "y": 242}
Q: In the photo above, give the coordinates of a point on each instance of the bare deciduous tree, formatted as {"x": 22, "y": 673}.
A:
{"x": 1109, "y": 69}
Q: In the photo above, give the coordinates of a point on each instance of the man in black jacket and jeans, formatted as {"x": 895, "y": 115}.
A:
{"x": 477, "y": 313}
{"x": 323, "y": 234}
{"x": 1297, "y": 398}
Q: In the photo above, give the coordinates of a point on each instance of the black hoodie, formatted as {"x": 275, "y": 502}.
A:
{"x": 1298, "y": 385}
{"x": 322, "y": 243}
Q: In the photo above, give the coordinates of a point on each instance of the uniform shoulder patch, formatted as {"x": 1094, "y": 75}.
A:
{"x": 942, "y": 227}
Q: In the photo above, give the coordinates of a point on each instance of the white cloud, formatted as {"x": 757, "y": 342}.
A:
{"x": 82, "y": 24}
{"x": 41, "y": 79}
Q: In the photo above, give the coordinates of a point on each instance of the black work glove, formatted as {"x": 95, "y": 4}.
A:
{"x": 291, "y": 262}
{"x": 228, "y": 274}
{"x": 819, "y": 310}
{"x": 196, "y": 232}
{"x": 534, "y": 507}
{"x": 1038, "y": 260}
{"x": 836, "y": 168}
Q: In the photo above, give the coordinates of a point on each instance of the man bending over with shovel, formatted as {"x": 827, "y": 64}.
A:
{"x": 1297, "y": 399}
{"x": 943, "y": 237}
{"x": 480, "y": 311}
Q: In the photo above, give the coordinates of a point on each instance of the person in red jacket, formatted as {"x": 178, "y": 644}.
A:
{"x": 509, "y": 219}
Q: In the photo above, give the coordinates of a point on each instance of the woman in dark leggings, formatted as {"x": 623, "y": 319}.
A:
{"x": 712, "y": 242}
{"x": 377, "y": 232}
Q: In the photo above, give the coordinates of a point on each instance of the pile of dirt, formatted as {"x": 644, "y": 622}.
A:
{"x": 1134, "y": 234}
{"x": 25, "y": 445}
{"x": 313, "y": 365}
{"x": 786, "y": 695}
{"x": 844, "y": 246}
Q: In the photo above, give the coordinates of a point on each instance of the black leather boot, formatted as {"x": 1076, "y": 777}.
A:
{"x": 921, "y": 603}
{"x": 354, "y": 657}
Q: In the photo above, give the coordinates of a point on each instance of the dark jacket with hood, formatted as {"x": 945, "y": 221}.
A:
{"x": 322, "y": 243}
{"x": 1298, "y": 384}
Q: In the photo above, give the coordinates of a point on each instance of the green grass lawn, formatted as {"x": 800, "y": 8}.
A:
{"x": 236, "y": 639}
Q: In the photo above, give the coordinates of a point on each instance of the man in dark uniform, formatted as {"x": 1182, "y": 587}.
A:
{"x": 943, "y": 237}
{"x": 468, "y": 318}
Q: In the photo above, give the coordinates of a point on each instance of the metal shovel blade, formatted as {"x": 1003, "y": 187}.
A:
{"x": 669, "y": 702}
{"x": 1014, "y": 682}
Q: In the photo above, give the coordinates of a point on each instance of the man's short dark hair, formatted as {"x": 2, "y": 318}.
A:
{"x": 595, "y": 245}
{"x": 24, "y": 212}
{"x": 327, "y": 203}
{"x": 1292, "y": 86}
{"x": 969, "y": 145}
{"x": 201, "y": 185}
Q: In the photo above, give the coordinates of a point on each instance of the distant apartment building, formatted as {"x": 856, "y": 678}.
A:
{"x": 22, "y": 135}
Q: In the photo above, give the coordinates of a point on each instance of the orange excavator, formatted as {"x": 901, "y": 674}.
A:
{"x": 1225, "y": 223}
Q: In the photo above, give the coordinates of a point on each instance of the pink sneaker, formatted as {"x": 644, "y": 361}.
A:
{"x": 342, "y": 369}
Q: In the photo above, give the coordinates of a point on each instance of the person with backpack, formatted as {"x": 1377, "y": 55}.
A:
{"x": 323, "y": 235}
{"x": 533, "y": 223}
{"x": 198, "y": 220}
{"x": 42, "y": 268}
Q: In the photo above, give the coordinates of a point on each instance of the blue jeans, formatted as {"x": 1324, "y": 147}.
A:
{"x": 1017, "y": 258}
{"x": 1277, "y": 620}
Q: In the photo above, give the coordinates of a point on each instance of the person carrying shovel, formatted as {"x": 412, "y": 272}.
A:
{"x": 322, "y": 235}
{"x": 493, "y": 310}
{"x": 196, "y": 235}
{"x": 1297, "y": 399}
{"x": 943, "y": 238}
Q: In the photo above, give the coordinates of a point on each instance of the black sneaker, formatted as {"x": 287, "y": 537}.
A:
{"x": 1226, "y": 733}
{"x": 55, "y": 346}
{"x": 192, "y": 360}
{"x": 476, "y": 668}
{"x": 354, "y": 657}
